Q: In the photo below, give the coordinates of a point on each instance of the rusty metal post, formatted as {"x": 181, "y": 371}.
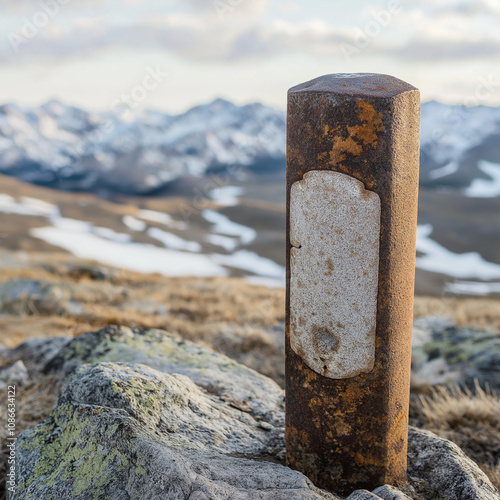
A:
{"x": 352, "y": 185}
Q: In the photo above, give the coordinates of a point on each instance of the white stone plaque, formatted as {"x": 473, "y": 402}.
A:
{"x": 335, "y": 238}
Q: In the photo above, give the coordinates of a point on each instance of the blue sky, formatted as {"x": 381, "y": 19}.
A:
{"x": 90, "y": 52}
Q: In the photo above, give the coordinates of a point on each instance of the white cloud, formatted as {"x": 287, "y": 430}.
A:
{"x": 31, "y": 6}
{"x": 427, "y": 31}
{"x": 451, "y": 30}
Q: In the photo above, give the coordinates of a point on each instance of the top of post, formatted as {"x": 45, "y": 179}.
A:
{"x": 356, "y": 85}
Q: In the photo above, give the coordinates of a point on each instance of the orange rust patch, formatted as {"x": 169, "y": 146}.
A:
{"x": 343, "y": 146}
{"x": 372, "y": 123}
{"x": 358, "y": 138}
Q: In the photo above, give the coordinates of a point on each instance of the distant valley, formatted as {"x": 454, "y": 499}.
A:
{"x": 203, "y": 192}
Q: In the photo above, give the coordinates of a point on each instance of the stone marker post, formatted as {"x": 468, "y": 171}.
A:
{"x": 352, "y": 183}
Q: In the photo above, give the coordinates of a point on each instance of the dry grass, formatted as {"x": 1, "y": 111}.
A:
{"x": 226, "y": 314}
{"x": 469, "y": 419}
{"x": 478, "y": 313}
{"x": 34, "y": 403}
{"x": 229, "y": 315}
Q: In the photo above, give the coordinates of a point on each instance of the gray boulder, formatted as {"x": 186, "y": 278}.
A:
{"x": 177, "y": 421}
{"x": 438, "y": 468}
{"x": 244, "y": 388}
{"x": 450, "y": 355}
{"x": 35, "y": 353}
{"x": 128, "y": 431}
{"x": 15, "y": 374}
{"x": 362, "y": 495}
{"x": 388, "y": 492}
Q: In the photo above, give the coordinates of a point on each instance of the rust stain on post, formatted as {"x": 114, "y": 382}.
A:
{"x": 351, "y": 433}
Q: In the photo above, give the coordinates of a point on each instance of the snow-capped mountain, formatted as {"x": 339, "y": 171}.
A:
{"x": 460, "y": 148}
{"x": 69, "y": 148}
{"x": 140, "y": 152}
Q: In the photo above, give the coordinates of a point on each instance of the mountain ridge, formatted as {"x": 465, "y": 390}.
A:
{"x": 143, "y": 152}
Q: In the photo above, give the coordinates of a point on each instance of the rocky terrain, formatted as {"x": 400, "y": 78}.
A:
{"x": 146, "y": 414}
{"x": 141, "y": 411}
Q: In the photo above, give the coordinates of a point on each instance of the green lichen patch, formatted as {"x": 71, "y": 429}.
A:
{"x": 72, "y": 447}
{"x": 461, "y": 345}
{"x": 151, "y": 347}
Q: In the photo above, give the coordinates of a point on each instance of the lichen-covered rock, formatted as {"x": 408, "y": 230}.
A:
{"x": 128, "y": 431}
{"x": 143, "y": 414}
{"x": 438, "y": 468}
{"x": 181, "y": 411}
{"x": 446, "y": 355}
{"x": 216, "y": 373}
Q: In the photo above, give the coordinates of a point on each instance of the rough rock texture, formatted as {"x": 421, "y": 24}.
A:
{"x": 129, "y": 431}
{"x": 362, "y": 495}
{"x": 35, "y": 353}
{"x": 168, "y": 353}
{"x": 444, "y": 354}
{"x": 387, "y": 492}
{"x": 441, "y": 470}
{"x": 179, "y": 422}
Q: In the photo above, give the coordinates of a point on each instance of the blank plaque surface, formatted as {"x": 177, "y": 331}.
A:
{"x": 334, "y": 259}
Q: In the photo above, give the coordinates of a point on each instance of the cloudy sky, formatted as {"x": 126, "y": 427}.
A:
{"x": 171, "y": 54}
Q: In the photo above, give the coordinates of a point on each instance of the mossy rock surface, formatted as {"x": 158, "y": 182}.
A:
{"x": 460, "y": 356}
{"x": 143, "y": 414}
{"x": 168, "y": 353}
{"x": 129, "y": 431}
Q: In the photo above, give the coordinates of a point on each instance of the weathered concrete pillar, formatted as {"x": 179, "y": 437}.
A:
{"x": 352, "y": 183}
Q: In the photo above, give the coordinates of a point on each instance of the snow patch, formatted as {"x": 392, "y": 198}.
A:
{"x": 473, "y": 288}
{"x": 438, "y": 259}
{"x": 482, "y": 188}
{"x": 173, "y": 241}
{"x": 109, "y": 234}
{"x": 133, "y": 223}
{"x": 225, "y": 242}
{"x": 226, "y": 196}
{"x": 223, "y": 225}
{"x": 448, "y": 169}
{"x": 161, "y": 218}
{"x": 252, "y": 262}
{"x": 139, "y": 257}
{"x": 27, "y": 206}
